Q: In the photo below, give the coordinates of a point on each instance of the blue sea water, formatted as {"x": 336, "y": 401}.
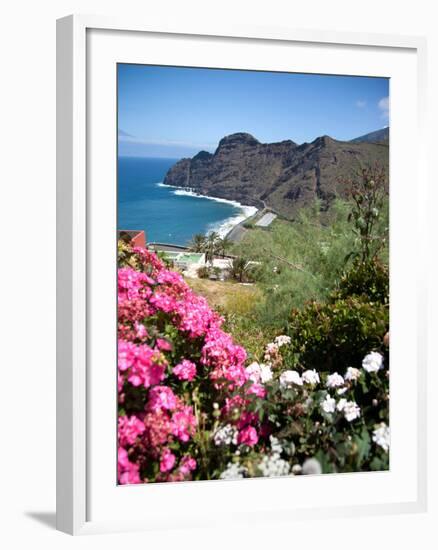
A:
{"x": 166, "y": 214}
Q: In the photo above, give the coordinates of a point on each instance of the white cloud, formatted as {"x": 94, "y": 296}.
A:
{"x": 361, "y": 104}
{"x": 383, "y": 105}
{"x": 123, "y": 136}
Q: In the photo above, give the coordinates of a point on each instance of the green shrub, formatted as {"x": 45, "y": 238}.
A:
{"x": 203, "y": 272}
{"x": 241, "y": 270}
{"x": 368, "y": 279}
{"x": 338, "y": 333}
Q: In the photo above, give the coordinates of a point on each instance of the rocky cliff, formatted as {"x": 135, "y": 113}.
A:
{"x": 282, "y": 176}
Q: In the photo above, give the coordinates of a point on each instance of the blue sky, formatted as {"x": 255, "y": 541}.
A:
{"x": 175, "y": 112}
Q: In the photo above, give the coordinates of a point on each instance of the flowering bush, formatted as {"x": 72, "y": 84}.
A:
{"x": 315, "y": 422}
{"x": 193, "y": 406}
{"x": 179, "y": 376}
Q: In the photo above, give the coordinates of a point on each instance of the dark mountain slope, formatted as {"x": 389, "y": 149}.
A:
{"x": 282, "y": 176}
{"x": 374, "y": 137}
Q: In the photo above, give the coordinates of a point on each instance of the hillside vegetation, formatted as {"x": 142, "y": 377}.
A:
{"x": 299, "y": 266}
{"x": 302, "y": 260}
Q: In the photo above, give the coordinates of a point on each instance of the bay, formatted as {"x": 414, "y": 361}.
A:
{"x": 168, "y": 214}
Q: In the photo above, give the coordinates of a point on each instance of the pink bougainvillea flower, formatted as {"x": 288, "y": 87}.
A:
{"x": 131, "y": 476}
{"x": 146, "y": 375}
{"x": 145, "y": 365}
{"x": 246, "y": 418}
{"x": 119, "y": 383}
{"x": 183, "y": 423}
{"x": 127, "y": 355}
{"x": 148, "y": 369}
{"x": 140, "y": 331}
{"x": 170, "y": 277}
{"x": 167, "y": 461}
{"x": 148, "y": 257}
{"x": 248, "y": 436}
{"x": 130, "y": 427}
{"x": 131, "y": 311}
{"x": 195, "y": 317}
{"x": 186, "y": 370}
{"x": 163, "y": 301}
{"x": 128, "y": 472}
{"x": 132, "y": 284}
{"x": 187, "y": 465}
{"x": 164, "y": 345}
{"x": 122, "y": 456}
{"x": 158, "y": 428}
{"x": 162, "y": 397}
{"x": 226, "y": 359}
{"x": 257, "y": 390}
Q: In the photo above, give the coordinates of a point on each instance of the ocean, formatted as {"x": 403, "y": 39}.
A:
{"x": 168, "y": 214}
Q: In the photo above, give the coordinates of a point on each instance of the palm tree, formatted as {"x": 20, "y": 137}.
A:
{"x": 197, "y": 243}
{"x": 240, "y": 268}
{"x": 211, "y": 246}
{"x": 224, "y": 245}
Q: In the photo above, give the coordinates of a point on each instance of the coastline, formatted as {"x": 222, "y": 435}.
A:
{"x": 225, "y": 227}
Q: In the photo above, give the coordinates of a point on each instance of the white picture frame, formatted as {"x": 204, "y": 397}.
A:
{"x": 77, "y": 217}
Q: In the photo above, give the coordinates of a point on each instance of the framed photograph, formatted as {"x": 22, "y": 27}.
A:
{"x": 240, "y": 286}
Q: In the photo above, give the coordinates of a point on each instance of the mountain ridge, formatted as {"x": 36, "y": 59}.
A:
{"x": 377, "y": 136}
{"x": 282, "y": 176}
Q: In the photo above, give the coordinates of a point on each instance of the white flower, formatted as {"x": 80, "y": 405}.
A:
{"x": 341, "y": 404}
{"x": 310, "y": 377}
{"x": 329, "y": 404}
{"x": 265, "y": 373}
{"x": 233, "y": 471}
{"x": 226, "y": 435}
{"x": 373, "y": 362}
{"x": 311, "y": 466}
{"x": 381, "y": 436}
{"x": 341, "y": 391}
{"x": 253, "y": 371}
{"x": 296, "y": 469}
{"x": 271, "y": 350}
{"x": 271, "y": 347}
{"x": 259, "y": 372}
{"x": 289, "y": 377}
{"x": 352, "y": 374}
{"x": 334, "y": 380}
{"x": 275, "y": 445}
{"x": 273, "y": 466}
{"x": 282, "y": 340}
{"x": 351, "y": 410}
